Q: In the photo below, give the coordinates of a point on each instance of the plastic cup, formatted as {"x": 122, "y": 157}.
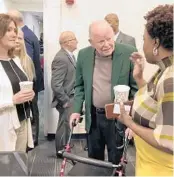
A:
{"x": 121, "y": 93}
{"x": 26, "y": 85}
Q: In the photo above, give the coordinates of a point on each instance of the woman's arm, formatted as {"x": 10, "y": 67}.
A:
{"x": 6, "y": 97}
{"x": 140, "y": 82}
{"x": 138, "y": 61}
{"x": 147, "y": 135}
{"x": 162, "y": 136}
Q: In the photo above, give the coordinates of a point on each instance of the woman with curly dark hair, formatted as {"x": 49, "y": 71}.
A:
{"x": 152, "y": 113}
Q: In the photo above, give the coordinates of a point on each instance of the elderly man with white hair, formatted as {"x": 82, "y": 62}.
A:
{"x": 101, "y": 66}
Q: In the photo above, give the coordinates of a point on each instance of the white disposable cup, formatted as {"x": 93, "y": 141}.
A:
{"x": 121, "y": 93}
{"x": 26, "y": 85}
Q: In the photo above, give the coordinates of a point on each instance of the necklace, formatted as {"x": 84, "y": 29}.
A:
{"x": 19, "y": 81}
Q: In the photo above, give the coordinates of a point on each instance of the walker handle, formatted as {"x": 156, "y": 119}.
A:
{"x": 89, "y": 161}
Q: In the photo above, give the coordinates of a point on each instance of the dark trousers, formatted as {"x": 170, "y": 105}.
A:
{"x": 63, "y": 129}
{"x": 35, "y": 118}
{"x": 104, "y": 132}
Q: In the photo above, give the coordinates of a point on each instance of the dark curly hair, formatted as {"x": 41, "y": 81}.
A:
{"x": 160, "y": 25}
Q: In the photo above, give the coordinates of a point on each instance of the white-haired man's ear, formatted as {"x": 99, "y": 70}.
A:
{"x": 90, "y": 41}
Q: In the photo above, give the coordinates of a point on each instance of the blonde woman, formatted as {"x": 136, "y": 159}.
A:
{"x": 15, "y": 127}
{"x": 20, "y": 51}
{"x": 28, "y": 67}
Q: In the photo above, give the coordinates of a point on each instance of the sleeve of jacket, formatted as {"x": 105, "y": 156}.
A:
{"x": 38, "y": 69}
{"x": 132, "y": 83}
{"x": 133, "y": 43}
{"x": 59, "y": 70}
{"x": 6, "y": 100}
{"x": 79, "y": 86}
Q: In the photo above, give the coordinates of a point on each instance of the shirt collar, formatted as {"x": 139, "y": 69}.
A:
{"x": 165, "y": 62}
{"x": 116, "y": 36}
{"x": 69, "y": 53}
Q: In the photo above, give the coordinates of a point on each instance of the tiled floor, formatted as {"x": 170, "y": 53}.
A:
{"x": 43, "y": 161}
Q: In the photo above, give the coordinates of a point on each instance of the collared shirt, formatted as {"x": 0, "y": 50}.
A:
{"x": 71, "y": 55}
{"x": 116, "y": 36}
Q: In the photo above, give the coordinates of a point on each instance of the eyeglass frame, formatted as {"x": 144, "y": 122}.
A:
{"x": 69, "y": 40}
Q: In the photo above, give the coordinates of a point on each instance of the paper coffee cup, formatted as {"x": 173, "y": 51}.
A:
{"x": 121, "y": 93}
{"x": 26, "y": 85}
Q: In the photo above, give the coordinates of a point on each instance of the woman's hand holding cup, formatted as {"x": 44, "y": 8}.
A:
{"x": 23, "y": 96}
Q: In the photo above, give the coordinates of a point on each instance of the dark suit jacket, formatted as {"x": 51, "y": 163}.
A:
{"x": 122, "y": 69}
{"x": 32, "y": 46}
{"x": 63, "y": 78}
{"x": 126, "y": 39}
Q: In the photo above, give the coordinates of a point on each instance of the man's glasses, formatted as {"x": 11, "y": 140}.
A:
{"x": 69, "y": 40}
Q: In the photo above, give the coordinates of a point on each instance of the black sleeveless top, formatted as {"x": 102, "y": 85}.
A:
{"x": 16, "y": 75}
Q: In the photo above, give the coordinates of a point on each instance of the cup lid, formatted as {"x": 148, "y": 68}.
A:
{"x": 26, "y": 82}
{"x": 121, "y": 88}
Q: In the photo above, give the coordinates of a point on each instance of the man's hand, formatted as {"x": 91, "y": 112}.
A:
{"x": 74, "y": 117}
{"x": 66, "y": 105}
{"x": 23, "y": 96}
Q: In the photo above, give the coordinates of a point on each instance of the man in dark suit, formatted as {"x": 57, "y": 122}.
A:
{"x": 99, "y": 68}
{"x": 120, "y": 37}
{"x": 33, "y": 50}
{"x": 62, "y": 83}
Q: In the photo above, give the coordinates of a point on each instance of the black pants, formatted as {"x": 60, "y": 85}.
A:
{"x": 104, "y": 132}
{"x": 35, "y": 119}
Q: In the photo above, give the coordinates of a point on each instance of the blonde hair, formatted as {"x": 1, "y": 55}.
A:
{"x": 113, "y": 20}
{"x": 26, "y": 61}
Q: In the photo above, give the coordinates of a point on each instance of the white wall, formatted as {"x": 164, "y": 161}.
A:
{"x": 5, "y": 5}
{"x": 51, "y": 27}
{"x": 3, "y": 8}
{"x": 27, "y": 5}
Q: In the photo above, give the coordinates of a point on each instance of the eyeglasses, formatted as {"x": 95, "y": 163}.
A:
{"x": 69, "y": 40}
